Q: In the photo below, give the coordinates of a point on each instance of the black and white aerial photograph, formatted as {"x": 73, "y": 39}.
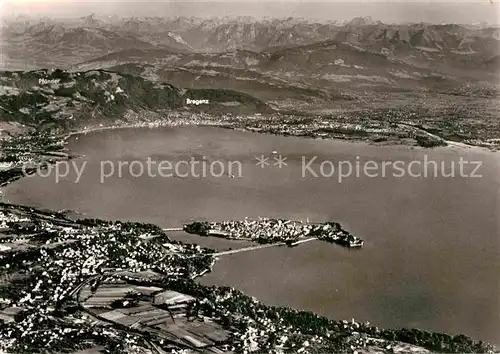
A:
{"x": 249, "y": 176}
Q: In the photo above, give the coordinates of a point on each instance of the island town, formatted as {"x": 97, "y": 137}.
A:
{"x": 265, "y": 230}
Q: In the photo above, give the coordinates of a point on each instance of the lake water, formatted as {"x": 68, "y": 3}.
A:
{"x": 431, "y": 258}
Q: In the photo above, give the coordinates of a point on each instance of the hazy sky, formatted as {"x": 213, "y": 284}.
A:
{"x": 449, "y": 11}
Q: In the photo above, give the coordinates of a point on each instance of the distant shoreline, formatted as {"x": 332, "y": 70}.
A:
{"x": 451, "y": 145}
{"x": 159, "y": 124}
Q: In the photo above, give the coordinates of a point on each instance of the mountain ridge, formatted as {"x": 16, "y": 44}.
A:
{"x": 228, "y": 34}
